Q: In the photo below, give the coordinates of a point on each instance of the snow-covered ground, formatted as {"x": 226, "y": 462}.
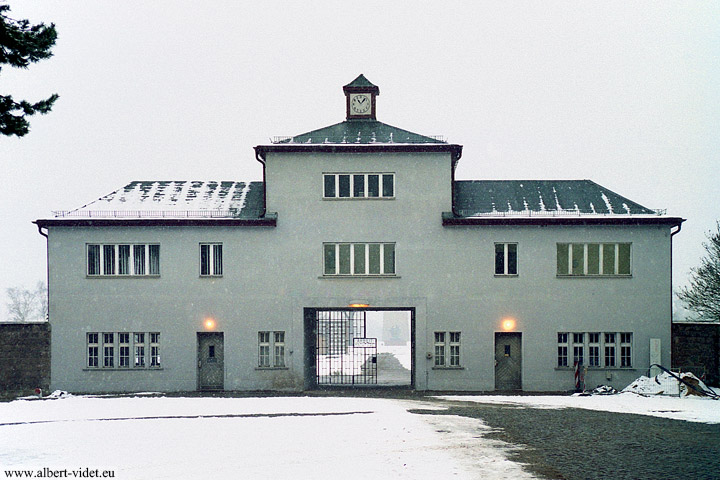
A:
{"x": 690, "y": 408}
{"x": 253, "y": 438}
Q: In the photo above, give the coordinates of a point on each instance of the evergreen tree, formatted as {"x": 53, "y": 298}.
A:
{"x": 703, "y": 294}
{"x": 21, "y": 44}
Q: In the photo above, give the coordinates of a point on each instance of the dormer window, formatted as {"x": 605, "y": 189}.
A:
{"x": 358, "y": 185}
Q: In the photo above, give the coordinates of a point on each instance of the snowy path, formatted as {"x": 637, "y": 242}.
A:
{"x": 249, "y": 438}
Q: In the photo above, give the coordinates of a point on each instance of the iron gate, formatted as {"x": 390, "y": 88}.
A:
{"x": 343, "y": 353}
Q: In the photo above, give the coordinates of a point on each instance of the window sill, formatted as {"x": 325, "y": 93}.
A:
{"x": 593, "y": 276}
{"x": 123, "y": 369}
{"x": 438, "y": 367}
{"x": 272, "y": 368}
{"x": 122, "y": 276}
{"x": 601, "y": 369}
{"x": 506, "y": 275}
{"x": 211, "y": 276}
{"x": 342, "y": 199}
{"x": 326, "y": 277}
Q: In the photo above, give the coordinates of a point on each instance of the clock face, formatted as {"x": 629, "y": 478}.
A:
{"x": 360, "y": 104}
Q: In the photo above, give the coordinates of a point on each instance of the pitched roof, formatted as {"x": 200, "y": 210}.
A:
{"x": 360, "y": 81}
{"x": 481, "y": 198}
{"x": 360, "y": 132}
{"x": 175, "y": 199}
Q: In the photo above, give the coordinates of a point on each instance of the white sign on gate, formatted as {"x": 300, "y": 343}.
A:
{"x": 364, "y": 342}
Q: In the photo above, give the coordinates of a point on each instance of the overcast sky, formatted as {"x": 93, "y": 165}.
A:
{"x": 626, "y": 94}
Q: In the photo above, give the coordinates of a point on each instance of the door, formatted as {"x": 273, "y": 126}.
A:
{"x": 508, "y": 361}
{"x": 210, "y": 354}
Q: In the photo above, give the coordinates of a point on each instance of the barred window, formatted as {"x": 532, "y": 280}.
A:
{"x": 358, "y": 185}
{"x": 506, "y": 259}
{"x": 124, "y": 259}
{"x": 583, "y": 259}
{"x": 359, "y": 259}
{"x": 211, "y": 261}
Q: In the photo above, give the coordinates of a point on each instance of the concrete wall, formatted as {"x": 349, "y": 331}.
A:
{"x": 696, "y": 349}
{"x": 271, "y": 274}
{"x": 24, "y": 358}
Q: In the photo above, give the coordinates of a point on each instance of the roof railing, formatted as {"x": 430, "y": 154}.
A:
{"x": 556, "y": 213}
{"x": 146, "y": 213}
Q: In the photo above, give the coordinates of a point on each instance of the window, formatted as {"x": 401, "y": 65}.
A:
{"x": 359, "y": 185}
{"x": 108, "y": 350}
{"x": 139, "y": 343}
{"x": 211, "y": 259}
{"x": 601, "y": 348}
{"x": 588, "y": 259}
{"x": 626, "y": 349}
{"x": 609, "y": 349}
{"x": 125, "y": 259}
{"x": 454, "y": 349}
{"x": 562, "y": 349}
{"x": 447, "y": 342}
{"x": 271, "y": 349}
{"x": 506, "y": 259}
{"x": 578, "y": 348}
{"x": 111, "y": 350}
{"x": 92, "y": 349}
{"x": 155, "y": 349}
{"x": 439, "y": 349}
{"x": 359, "y": 259}
{"x": 279, "y": 349}
{"x": 124, "y": 342}
{"x": 594, "y": 349}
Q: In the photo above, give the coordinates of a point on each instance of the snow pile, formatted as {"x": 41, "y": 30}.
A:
{"x": 604, "y": 390}
{"x": 666, "y": 384}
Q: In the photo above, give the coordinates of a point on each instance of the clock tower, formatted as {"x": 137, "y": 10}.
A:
{"x": 360, "y": 99}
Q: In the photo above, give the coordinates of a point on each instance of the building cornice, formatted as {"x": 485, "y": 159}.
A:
{"x": 450, "y": 220}
{"x": 267, "y": 221}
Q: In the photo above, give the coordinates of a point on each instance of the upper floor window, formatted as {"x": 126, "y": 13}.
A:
{"x": 211, "y": 262}
{"x": 506, "y": 259}
{"x": 359, "y": 258}
{"x": 123, "y": 259}
{"x": 358, "y": 185}
{"x": 586, "y": 259}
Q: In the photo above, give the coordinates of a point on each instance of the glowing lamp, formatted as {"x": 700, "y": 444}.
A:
{"x": 359, "y": 305}
{"x": 209, "y": 324}
{"x": 508, "y": 324}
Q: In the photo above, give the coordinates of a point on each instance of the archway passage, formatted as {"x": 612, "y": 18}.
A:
{"x": 359, "y": 347}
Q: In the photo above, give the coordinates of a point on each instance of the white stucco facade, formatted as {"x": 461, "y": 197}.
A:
{"x": 273, "y": 275}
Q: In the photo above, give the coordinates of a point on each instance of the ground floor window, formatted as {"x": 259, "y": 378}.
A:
{"x": 599, "y": 349}
{"x": 271, "y": 349}
{"x": 447, "y": 349}
{"x": 117, "y": 348}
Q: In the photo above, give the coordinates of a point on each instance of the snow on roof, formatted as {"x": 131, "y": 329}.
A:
{"x": 485, "y": 198}
{"x": 175, "y": 199}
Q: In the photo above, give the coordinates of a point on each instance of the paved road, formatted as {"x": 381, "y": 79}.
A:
{"x": 575, "y": 444}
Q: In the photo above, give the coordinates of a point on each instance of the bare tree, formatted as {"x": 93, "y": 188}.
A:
{"x": 703, "y": 294}
{"x": 28, "y": 305}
